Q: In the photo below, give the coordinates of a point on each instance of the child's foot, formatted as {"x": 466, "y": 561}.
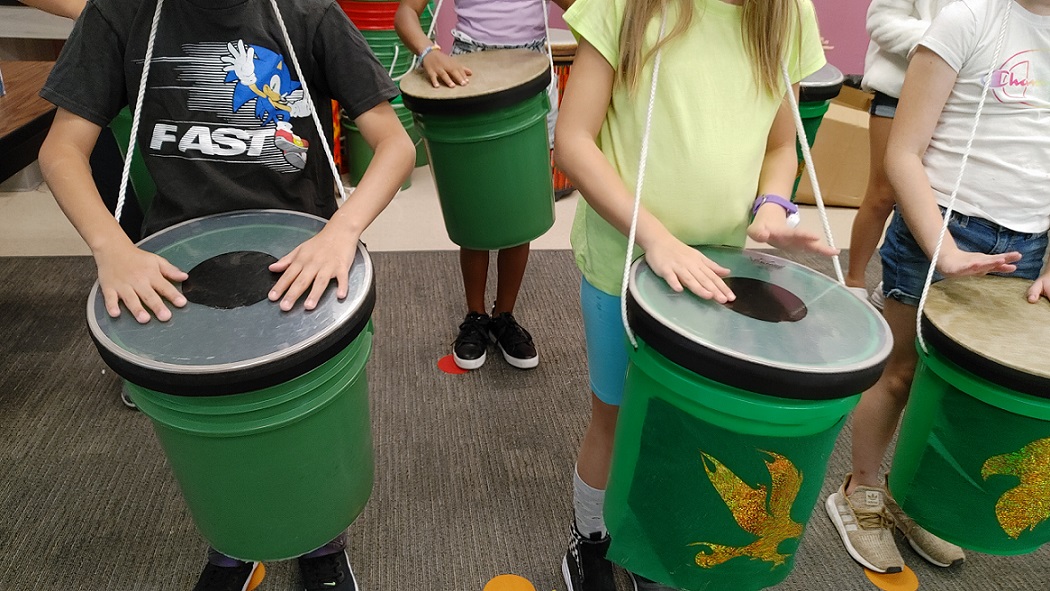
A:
{"x": 513, "y": 341}
{"x": 125, "y": 397}
{"x": 473, "y": 341}
{"x": 865, "y": 526}
{"x": 243, "y": 577}
{"x": 935, "y": 550}
{"x": 585, "y": 566}
{"x": 331, "y": 572}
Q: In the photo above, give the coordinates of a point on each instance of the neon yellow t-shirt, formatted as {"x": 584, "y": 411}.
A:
{"x": 710, "y": 124}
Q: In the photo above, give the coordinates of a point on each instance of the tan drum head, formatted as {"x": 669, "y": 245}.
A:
{"x": 494, "y": 72}
{"x": 992, "y": 318}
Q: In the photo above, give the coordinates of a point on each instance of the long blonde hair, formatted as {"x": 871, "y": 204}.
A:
{"x": 765, "y": 28}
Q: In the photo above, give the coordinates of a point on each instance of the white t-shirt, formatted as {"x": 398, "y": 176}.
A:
{"x": 1007, "y": 177}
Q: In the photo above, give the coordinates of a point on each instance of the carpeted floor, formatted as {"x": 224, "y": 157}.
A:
{"x": 473, "y": 471}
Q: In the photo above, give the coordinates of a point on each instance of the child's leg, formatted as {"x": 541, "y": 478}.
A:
{"x": 510, "y": 267}
{"x": 592, "y": 467}
{"x": 474, "y": 264}
{"x": 875, "y": 209}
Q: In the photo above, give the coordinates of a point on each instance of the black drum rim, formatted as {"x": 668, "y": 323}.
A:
{"x": 241, "y": 376}
{"x": 722, "y": 364}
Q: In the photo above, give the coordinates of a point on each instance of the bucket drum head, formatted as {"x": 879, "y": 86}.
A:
{"x": 499, "y": 78}
{"x": 822, "y": 85}
{"x": 230, "y": 338}
{"x": 791, "y": 332}
{"x": 987, "y": 326}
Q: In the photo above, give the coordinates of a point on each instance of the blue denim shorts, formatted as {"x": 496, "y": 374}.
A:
{"x": 883, "y": 105}
{"x": 905, "y": 265}
{"x": 606, "y": 343}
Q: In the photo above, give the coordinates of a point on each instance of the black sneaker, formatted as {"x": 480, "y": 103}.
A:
{"x": 643, "y": 584}
{"x": 331, "y": 572}
{"x": 472, "y": 342}
{"x": 244, "y": 577}
{"x": 513, "y": 341}
{"x": 585, "y": 567}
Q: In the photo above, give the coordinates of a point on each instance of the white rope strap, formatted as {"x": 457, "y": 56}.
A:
{"x": 807, "y": 157}
{"x": 958, "y": 180}
{"x": 310, "y": 103}
{"x": 136, "y": 115}
{"x": 550, "y": 50}
{"x": 631, "y": 236}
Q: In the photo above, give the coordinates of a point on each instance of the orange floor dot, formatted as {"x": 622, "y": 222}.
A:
{"x": 902, "y": 581}
{"x": 509, "y": 583}
{"x": 448, "y": 365}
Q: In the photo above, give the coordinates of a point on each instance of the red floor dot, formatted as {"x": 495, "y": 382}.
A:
{"x": 448, "y": 365}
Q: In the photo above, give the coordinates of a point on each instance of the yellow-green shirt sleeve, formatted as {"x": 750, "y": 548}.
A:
{"x": 598, "y": 21}
{"x": 805, "y": 51}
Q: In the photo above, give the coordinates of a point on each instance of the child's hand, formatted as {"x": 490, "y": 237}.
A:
{"x": 140, "y": 279}
{"x": 682, "y": 266}
{"x": 955, "y": 263}
{"x": 770, "y": 226}
{"x": 312, "y": 266}
{"x": 445, "y": 69}
{"x": 1039, "y": 288}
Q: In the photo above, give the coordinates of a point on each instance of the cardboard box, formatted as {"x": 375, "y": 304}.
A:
{"x": 840, "y": 155}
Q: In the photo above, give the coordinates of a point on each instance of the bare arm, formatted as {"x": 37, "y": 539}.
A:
{"x": 329, "y": 254}
{"x": 893, "y": 27}
{"x": 439, "y": 68}
{"x": 68, "y": 8}
{"x": 582, "y": 112}
{"x": 564, "y": 4}
{"x": 139, "y": 279}
{"x": 927, "y": 85}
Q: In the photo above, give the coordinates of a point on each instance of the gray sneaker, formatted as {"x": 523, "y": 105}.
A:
{"x": 865, "y": 526}
{"x": 935, "y": 550}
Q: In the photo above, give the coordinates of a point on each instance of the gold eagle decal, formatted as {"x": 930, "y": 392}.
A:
{"x": 766, "y": 516}
{"x": 1028, "y": 504}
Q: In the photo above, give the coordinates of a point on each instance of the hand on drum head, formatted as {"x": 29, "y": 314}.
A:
{"x": 444, "y": 69}
{"x": 312, "y": 266}
{"x": 684, "y": 267}
{"x": 139, "y": 279}
{"x": 770, "y": 227}
{"x": 1040, "y": 288}
{"x": 956, "y": 263}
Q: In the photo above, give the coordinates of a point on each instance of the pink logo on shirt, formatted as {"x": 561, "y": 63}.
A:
{"x": 1010, "y": 83}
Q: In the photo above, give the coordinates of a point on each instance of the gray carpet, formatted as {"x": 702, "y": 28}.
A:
{"x": 473, "y": 471}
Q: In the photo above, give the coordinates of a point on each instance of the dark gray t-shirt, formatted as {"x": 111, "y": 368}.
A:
{"x": 222, "y": 125}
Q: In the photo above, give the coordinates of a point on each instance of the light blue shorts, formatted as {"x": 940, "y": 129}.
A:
{"x": 606, "y": 343}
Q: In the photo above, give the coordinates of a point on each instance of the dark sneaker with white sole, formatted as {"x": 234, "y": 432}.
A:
{"x": 470, "y": 346}
{"x": 643, "y": 584}
{"x": 243, "y": 577}
{"x": 513, "y": 341}
{"x": 585, "y": 566}
{"x": 330, "y": 572}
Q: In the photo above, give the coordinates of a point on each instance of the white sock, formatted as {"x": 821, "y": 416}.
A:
{"x": 587, "y": 505}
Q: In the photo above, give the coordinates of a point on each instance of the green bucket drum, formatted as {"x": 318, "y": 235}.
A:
{"x": 730, "y": 413}
{"x": 815, "y": 94}
{"x": 262, "y": 414}
{"x": 975, "y": 438}
{"x": 488, "y": 147}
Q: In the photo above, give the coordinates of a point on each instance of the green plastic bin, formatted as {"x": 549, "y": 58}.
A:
{"x": 729, "y": 416}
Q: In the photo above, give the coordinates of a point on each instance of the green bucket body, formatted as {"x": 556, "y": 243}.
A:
{"x": 275, "y": 473}
{"x": 359, "y": 154}
{"x": 812, "y": 114}
{"x": 678, "y": 433}
{"x": 968, "y": 447}
{"x": 492, "y": 172}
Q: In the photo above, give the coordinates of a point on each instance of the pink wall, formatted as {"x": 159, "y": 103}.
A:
{"x": 841, "y": 22}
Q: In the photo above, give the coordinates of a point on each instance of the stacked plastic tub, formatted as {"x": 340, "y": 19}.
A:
{"x": 376, "y": 23}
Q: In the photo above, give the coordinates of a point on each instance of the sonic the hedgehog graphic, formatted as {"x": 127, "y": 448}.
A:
{"x": 273, "y": 102}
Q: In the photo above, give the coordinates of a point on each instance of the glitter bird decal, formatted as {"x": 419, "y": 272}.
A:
{"x": 1028, "y": 504}
{"x": 767, "y": 518}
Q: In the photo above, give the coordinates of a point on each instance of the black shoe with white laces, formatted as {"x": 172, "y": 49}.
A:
{"x": 331, "y": 572}
{"x": 243, "y": 577}
{"x": 470, "y": 346}
{"x": 513, "y": 341}
{"x": 585, "y": 567}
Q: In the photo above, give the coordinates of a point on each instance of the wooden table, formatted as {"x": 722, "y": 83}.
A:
{"x": 25, "y": 118}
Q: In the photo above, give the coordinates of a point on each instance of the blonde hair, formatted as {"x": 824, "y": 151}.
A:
{"x": 765, "y": 29}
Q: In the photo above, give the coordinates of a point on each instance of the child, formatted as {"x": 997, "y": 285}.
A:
{"x": 224, "y": 127}
{"x": 718, "y": 142}
{"x": 895, "y": 27}
{"x": 998, "y": 225}
{"x": 483, "y": 25}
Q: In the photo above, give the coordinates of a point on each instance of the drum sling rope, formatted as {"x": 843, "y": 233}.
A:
{"x": 137, "y": 113}
{"x": 958, "y": 180}
{"x": 800, "y": 132}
